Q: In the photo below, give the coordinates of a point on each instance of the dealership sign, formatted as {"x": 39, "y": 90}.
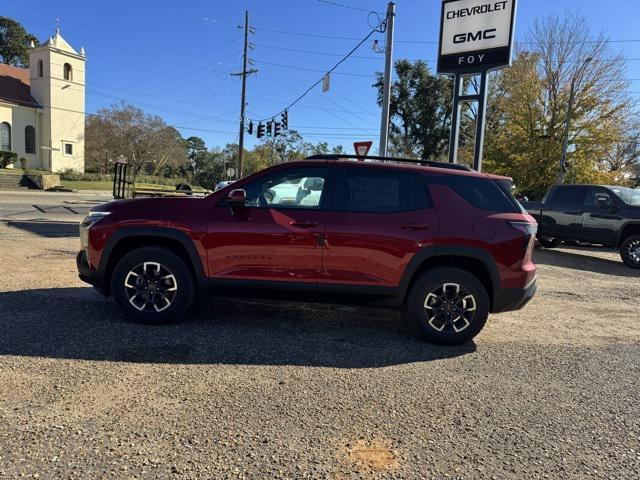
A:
{"x": 475, "y": 35}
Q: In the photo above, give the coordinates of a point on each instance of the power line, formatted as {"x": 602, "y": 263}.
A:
{"x": 315, "y": 52}
{"x": 350, "y": 7}
{"x": 295, "y": 67}
{"x": 91, "y": 114}
{"x": 311, "y": 108}
{"x": 300, "y": 97}
{"x": 428, "y": 42}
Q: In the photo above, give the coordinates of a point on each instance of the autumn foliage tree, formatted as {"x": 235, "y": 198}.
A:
{"x": 127, "y": 132}
{"x": 528, "y": 109}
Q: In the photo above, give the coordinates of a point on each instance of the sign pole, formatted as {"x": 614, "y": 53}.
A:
{"x": 480, "y": 121}
{"x": 455, "y": 119}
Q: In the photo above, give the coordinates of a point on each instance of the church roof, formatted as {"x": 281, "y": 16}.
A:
{"x": 15, "y": 86}
{"x": 58, "y": 42}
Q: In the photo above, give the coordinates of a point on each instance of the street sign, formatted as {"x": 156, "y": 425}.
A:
{"x": 231, "y": 172}
{"x": 362, "y": 148}
{"x": 475, "y": 35}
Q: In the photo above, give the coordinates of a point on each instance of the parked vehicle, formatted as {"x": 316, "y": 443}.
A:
{"x": 221, "y": 185}
{"x": 594, "y": 214}
{"x": 445, "y": 244}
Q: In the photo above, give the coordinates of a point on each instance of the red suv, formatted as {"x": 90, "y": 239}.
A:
{"x": 446, "y": 244}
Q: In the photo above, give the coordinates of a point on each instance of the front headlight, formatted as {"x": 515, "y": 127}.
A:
{"x": 86, "y": 223}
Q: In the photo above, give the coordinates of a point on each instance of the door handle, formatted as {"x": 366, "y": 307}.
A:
{"x": 414, "y": 226}
{"x": 303, "y": 224}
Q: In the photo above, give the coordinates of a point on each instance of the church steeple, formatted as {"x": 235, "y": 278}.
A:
{"x": 57, "y": 84}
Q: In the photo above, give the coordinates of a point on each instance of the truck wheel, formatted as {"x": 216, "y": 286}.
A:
{"x": 152, "y": 285}
{"x": 630, "y": 251}
{"x": 550, "y": 242}
{"x": 447, "y": 306}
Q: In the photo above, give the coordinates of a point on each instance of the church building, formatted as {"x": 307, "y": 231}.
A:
{"x": 42, "y": 107}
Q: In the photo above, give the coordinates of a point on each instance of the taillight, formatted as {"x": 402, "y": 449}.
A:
{"x": 529, "y": 230}
{"x": 525, "y": 227}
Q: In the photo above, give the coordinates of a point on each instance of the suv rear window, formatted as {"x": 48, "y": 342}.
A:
{"x": 481, "y": 193}
{"x": 371, "y": 190}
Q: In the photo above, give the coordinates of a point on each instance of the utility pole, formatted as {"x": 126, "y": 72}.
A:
{"x": 243, "y": 102}
{"x": 567, "y": 124}
{"x": 386, "y": 92}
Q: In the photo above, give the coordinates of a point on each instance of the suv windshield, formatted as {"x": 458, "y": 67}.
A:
{"x": 627, "y": 195}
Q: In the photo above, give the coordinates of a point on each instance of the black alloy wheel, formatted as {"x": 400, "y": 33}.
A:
{"x": 447, "y": 306}
{"x": 630, "y": 251}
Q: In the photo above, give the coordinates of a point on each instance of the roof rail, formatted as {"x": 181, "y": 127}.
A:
{"x": 427, "y": 163}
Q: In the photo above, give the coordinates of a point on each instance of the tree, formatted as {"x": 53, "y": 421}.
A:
{"x": 143, "y": 140}
{"x": 287, "y": 147}
{"x": 528, "y": 105}
{"x": 419, "y": 112}
{"x": 14, "y": 42}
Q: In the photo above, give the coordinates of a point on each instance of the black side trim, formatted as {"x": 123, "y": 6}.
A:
{"x": 311, "y": 292}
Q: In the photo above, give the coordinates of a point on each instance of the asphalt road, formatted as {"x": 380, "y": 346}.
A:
{"x": 265, "y": 389}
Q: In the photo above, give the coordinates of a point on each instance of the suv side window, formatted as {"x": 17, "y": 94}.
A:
{"x": 568, "y": 197}
{"x": 381, "y": 191}
{"x": 599, "y": 198}
{"x": 302, "y": 188}
{"x": 480, "y": 193}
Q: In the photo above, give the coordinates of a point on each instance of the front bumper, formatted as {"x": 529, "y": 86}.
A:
{"x": 510, "y": 299}
{"x": 86, "y": 273}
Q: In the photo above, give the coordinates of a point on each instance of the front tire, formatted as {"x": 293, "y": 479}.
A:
{"x": 152, "y": 285}
{"x": 630, "y": 251}
{"x": 447, "y": 306}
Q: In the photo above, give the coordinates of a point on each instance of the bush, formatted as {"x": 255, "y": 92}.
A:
{"x": 7, "y": 158}
{"x": 70, "y": 174}
{"x": 74, "y": 175}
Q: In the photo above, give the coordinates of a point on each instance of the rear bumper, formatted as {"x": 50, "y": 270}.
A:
{"x": 510, "y": 299}
{"x": 86, "y": 273}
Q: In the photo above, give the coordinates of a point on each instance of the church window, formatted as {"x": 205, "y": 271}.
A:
{"x": 68, "y": 149}
{"x": 29, "y": 139}
{"x": 5, "y": 136}
{"x": 68, "y": 72}
{"x": 40, "y": 68}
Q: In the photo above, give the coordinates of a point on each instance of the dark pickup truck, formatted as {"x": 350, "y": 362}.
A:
{"x": 594, "y": 214}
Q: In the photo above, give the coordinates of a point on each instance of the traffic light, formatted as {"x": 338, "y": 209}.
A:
{"x": 276, "y": 129}
{"x": 260, "y": 131}
{"x": 250, "y": 129}
{"x": 269, "y": 128}
{"x": 285, "y": 120}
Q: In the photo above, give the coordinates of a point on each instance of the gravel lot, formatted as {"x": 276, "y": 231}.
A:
{"x": 259, "y": 389}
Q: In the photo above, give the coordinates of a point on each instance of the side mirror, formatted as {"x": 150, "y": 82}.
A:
{"x": 237, "y": 198}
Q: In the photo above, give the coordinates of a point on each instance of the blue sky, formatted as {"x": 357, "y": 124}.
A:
{"x": 174, "y": 59}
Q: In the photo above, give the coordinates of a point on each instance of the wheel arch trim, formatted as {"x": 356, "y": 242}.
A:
{"x": 167, "y": 233}
{"x": 427, "y": 254}
{"x": 633, "y": 224}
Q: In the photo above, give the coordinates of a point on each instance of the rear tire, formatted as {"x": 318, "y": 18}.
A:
{"x": 447, "y": 306}
{"x": 630, "y": 251}
{"x": 152, "y": 285}
{"x": 549, "y": 242}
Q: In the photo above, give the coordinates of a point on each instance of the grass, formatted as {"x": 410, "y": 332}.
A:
{"x": 87, "y": 185}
